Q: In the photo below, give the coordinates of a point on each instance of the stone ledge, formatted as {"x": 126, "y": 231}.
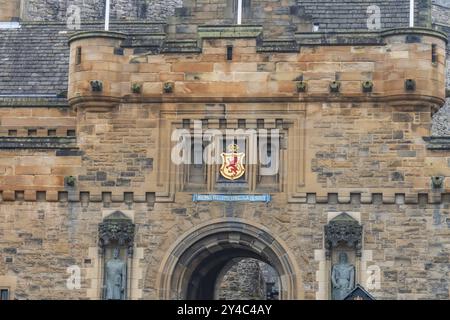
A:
{"x": 362, "y": 38}
{"x": 97, "y": 34}
{"x": 106, "y": 196}
{"x": 181, "y": 46}
{"x": 339, "y": 38}
{"x": 438, "y": 143}
{"x": 415, "y": 31}
{"x": 38, "y": 143}
{"x": 30, "y": 102}
{"x": 144, "y": 40}
{"x": 278, "y": 46}
{"x": 230, "y": 31}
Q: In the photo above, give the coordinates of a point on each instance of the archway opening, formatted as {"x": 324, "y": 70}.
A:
{"x": 198, "y": 262}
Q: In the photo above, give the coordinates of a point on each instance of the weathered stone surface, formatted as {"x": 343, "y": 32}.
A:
{"x": 243, "y": 281}
{"x": 352, "y": 151}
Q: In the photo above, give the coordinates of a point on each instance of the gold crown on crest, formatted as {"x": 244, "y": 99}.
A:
{"x": 233, "y": 148}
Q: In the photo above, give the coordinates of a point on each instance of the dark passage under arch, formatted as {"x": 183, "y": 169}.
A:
{"x": 192, "y": 269}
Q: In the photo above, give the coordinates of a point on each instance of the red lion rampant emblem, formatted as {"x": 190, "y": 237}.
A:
{"x": 232, "y": 163}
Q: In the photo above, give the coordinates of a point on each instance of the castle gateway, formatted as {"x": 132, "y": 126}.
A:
{"x": 235, "y": 149}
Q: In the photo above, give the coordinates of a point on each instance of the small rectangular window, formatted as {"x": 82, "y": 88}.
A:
{"x": 229, "y": 53}
{"x": 118, "y": 51}
{"x": 4, "y": 294}
{"x": 78, "y": 56}
{"x": 434, "y": 56}
{"x": 71, "y": 133}
{"x": 51, "y": 132}
{"x": 32, "y": 132}
{"x": 12, "y": 133}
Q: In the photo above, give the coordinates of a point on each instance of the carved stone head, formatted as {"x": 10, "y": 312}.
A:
{"x": 343, "y": 258}
{"x": 116, "y": 253}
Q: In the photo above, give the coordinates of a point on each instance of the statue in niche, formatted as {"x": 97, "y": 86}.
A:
{"x": 116, "y": 277}
{"x": 342, "y": 277}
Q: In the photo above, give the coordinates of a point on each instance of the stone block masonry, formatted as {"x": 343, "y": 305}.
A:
{"x": 68, "y": 166}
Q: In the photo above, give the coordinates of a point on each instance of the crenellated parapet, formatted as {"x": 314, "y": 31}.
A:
{"x": 236, "y": 61}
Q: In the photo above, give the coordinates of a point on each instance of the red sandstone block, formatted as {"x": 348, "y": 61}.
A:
{"x": 16, "y": 181}
{"x": 8, "y": 195}
{"x": 24, "y": 170}
{"x": 30, "y": 195}
{"x": 192, "y": 67}
{"x": 51, "y": 195}
{"x": 49, "y": 181}
{"x": 171, "y": 76}
{"x": 67, "y": 171}
{"x": 154, "y": 67}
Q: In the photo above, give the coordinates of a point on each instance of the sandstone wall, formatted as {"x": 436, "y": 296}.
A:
{"x": 409, "y": 242}
{"x": 347, "y": 151}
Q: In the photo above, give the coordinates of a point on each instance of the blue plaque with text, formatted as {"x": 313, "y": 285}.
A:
{"x": 231, "y": 198}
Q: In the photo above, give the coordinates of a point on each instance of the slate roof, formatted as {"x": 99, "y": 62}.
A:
{"x": 351, "y": 15}
{"x": 34, "y": 58}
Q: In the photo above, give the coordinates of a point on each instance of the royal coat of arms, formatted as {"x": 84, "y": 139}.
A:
{"x": 232, "y": 163}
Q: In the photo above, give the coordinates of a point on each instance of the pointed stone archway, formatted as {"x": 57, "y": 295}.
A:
{"x": 192, "y": 265}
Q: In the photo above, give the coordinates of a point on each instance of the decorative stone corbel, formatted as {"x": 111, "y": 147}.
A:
{"x": 367, "y": 86}
{"x": 335, "y": 86}
{"x": 437, "y": 182}
{"x": 136, "y": 88}
{"x": 169, "y": 87}
{"x": 96, "y": 86}
{"x": 410, "y": 85}
{"x": 301, "y": 86}
{"x": 70, "y": 181}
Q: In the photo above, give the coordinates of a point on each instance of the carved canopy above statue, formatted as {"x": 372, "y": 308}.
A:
{"x": 343, "y": 229}
{"x": 116, "y": 228}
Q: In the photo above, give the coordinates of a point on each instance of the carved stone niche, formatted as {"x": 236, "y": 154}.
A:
{"x": 343, "y": 230}
{"x": 116, "y": 230}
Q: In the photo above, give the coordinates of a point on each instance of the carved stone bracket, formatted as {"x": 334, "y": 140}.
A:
{"x": 343, "y": 229}
{"x": 116, "y": 227}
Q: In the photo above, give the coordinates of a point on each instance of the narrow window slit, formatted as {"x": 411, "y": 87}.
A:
{"x": 229, "y": 53}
